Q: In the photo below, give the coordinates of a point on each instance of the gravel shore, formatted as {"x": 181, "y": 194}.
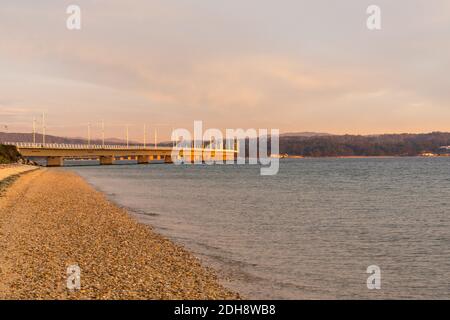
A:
{"x": 52, "y": 219}
{"x": 9, "y": 170}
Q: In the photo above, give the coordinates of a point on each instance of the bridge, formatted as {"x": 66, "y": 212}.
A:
{"x": 108, "y": 154}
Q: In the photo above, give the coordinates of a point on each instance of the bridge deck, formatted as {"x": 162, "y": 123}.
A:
{"x": 55, "y": 153}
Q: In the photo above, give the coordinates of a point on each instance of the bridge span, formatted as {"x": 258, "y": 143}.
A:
{"x": 108, "y": 154}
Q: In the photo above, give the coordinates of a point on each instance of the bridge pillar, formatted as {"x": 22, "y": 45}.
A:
{"x": 168, "y": 159}
{"x": 55, "y": 161}
{"x": 191, "y": 157}
{"x": 143, "y": 159}
{"x": 228, "y": 156}
{"x": 106, "y": 160}
{"x": 206, "y": 155}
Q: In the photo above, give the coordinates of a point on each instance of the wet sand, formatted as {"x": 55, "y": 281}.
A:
{"x": 52, "y": 219}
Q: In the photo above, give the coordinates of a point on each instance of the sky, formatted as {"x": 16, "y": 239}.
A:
{"x": 291, "y": 65}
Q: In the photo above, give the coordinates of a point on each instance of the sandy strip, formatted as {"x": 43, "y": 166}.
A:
{"x": 51, "y": 219}
{"x": 9, "y": 170}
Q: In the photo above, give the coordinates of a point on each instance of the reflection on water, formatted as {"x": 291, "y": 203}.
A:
{"x": 310, "y": 231}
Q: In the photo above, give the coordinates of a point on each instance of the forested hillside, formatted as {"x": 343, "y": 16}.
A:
{"x": 376, "y": 145}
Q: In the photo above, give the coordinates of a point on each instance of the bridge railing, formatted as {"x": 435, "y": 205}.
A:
{"x": 75, "y": 146}
{"x": 93, "y": 146}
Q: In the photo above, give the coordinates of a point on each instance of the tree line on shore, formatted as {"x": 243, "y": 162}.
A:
{"x": 358, "y": 145}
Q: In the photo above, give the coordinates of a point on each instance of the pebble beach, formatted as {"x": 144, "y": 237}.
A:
{"x": 52, "y": 219}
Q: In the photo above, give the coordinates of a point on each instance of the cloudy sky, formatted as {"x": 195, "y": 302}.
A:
{"x": 291, "y": 64}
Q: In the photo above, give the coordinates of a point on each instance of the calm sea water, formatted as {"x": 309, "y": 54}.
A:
{"x": 309, "y": 232}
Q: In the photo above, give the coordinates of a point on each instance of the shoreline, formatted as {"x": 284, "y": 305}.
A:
{"x": 52, "y": 219}
{"x": 9, "y": 170}
{"x": 362, "y": 157}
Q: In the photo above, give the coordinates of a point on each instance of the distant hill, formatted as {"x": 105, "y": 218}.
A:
{"x": 357, "y": 145}
{"x": 329, "y": 145}
{"x": 28, "y": 137}
{"x": 304, "y": 134}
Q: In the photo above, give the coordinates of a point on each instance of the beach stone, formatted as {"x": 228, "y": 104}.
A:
{"x": 51, "y": 219}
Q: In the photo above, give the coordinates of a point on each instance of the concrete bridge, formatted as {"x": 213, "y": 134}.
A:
{"x": 108, "y": 154}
